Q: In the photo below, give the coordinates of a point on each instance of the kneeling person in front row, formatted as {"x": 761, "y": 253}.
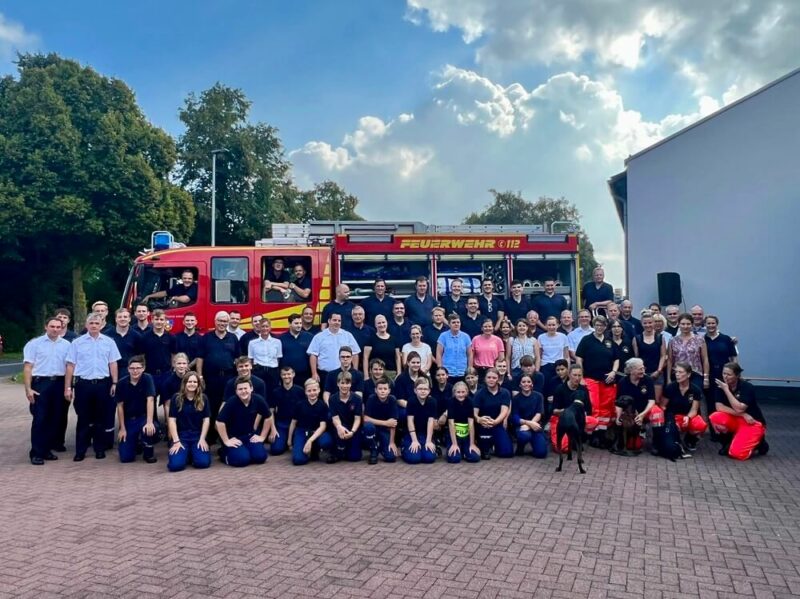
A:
{"x": 418, "y": 445}
{"x": 380, "y": 423}
{"x": 527, "y": 409}
{"x": 308, "y": 429}
{"x": 492, "y": 405}
{"x": 189, "y": 420}
{"x": 461, "y": 425}
{"x": 238, "y": 421}
{"x": 136, "y": 398}
{"x": 346, "y": 411}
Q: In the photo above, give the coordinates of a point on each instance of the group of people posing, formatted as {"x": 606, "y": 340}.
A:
{"x": 465, "y": 378}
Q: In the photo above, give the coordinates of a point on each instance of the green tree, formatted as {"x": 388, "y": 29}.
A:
{"x": 84, "y": 178}
{"x": 511, "y": 208}
{"x": 252, "y": 176}
{"x": 328, "y": 201}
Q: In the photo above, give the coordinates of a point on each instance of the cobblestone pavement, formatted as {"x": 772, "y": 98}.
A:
{"x": 631, "y": 527}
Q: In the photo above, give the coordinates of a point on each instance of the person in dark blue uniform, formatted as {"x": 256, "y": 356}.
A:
{"x": 597, "y": 294}
{"x": 345, "y": 365}
{"x": 420, "y": 304}
{"x": 432, "y": 332}
{"x": 218, "y": 351}
{"x": 128, "y": 341}
{"x": 283, "y": 399}
{"x": 294, "y": 345}
{"x": 238, "y": 425}
{"x": 461, "y": 425}
{"x": 380, "y": 423}
{"x": 244, "y": 368}
{"x": 491, "y": 306}
{"x": 189, "y": 421}
{"x": 360, "y": 330}
{"x": 346, "y": 410}
{"x": 377, "y": 371}
{"x": 136, "y": 412}
{"x": 158, "y": 346}
{"x": 492, "y": 405}
{"x": 340, "y": 305}
{"x": 180, "y": 294}
{"x": 454, "y": 301}
{"x": 720, "y": 349}
{"x": 399, "y": 326}
{"x": 418, "y": 444}
{"x": 527, "y": 411}
{"x": 188, "y": 340}
{"x": 472, "y": 319}
{"x": 308, "y": 430}
{"x": 172, "y": 384}
{"x": 517, "y": 306}
{"x": 299, "y": 284}
{"x": 377, "y": 303}
{"x": 549, "y": 303}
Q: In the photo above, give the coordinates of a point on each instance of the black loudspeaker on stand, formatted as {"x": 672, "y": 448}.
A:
{"x": 669, "y": 288}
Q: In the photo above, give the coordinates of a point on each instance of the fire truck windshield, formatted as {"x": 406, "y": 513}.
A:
{"x": 160, "y": 286}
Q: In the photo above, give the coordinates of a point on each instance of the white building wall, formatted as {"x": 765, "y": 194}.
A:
{"x": 720, "y": 204}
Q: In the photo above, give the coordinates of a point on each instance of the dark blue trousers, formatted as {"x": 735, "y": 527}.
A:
{"x": 46, "y": 413}
{"x": 496, "y": 437}
{"x": 377, "y": 437}
{"x": 247, "y": 453}
{"x": 279, "y": 445}
{"x": 465, "y": 454}
{"x": 93, "y": 404}
{"x": 299, "y": 440}
{"x": 423, "y": 456}
{"x": 134, "y": 436}
{"x": 190, "y": 453}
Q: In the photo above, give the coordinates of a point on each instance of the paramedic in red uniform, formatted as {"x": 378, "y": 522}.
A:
{"x": 738, "y": 419}
{"x": 600, "y": 363}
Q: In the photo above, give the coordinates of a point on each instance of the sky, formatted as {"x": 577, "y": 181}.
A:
{"x": 420, "y": 107}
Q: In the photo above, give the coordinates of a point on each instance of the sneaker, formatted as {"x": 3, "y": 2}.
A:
{"x": 439, "y": 451}
{"x": 686, "y": 455}
{"x": 373, "y": 457}
{"x": 151, "y": 460}
{"x": 690, "y": 442}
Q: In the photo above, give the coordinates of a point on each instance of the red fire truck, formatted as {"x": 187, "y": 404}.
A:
{"x": 354, "y": 253}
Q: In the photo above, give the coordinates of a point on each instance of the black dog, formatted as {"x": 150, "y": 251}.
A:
{"x": 628, "y": 429}
{"x": 571, "y": 423}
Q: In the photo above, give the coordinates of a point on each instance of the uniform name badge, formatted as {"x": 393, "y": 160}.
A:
{"x": 462, "y": 429}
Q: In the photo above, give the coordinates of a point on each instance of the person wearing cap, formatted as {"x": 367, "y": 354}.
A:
{"x": 45, "y": 363}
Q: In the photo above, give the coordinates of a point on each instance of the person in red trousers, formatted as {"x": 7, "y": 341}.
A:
{"x": 566, "y": 393}
{"x": 600, "y": 361}
{"x": 682, "y": 402}
{"x": 738, "y": 419}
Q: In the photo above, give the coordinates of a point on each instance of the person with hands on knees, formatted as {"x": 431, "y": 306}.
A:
{"x": 237, "y": 424}
{"x": 188, "y": 424}
{"x": 492, "y": 405}
{"x": 308, "y": 430}
{"x": 380, "y": 423}
{"x": 461, "y": 425}
{"x": 738, "y": 419}
{"x": 136, "y": 411}
{"x": 637, "y": 385}
{"x": 346, "y": 412}
{"x": 418, "y": 445}
{"x": 283, "y": 399}
{"x": 527, "y": 411}
{"x": 682, "y": 403}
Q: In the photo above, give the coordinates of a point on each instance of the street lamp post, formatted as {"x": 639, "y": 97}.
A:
{"x": 214, "y": 194}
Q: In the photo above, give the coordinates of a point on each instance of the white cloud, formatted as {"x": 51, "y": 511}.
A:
{"x": 14, "y": 38}
{"x": 730, "y": 46}
{"x": 563, "y": 137}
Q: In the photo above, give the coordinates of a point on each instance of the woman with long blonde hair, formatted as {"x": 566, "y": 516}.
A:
{"x": 189, "y": 420}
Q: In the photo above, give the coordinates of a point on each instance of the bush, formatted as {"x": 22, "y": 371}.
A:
{"x": 14, "y": 335}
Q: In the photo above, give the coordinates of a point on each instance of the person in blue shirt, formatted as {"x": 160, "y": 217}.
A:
{"x": 346, "y": 409}
{"x": 526, "y": 418}
{"x": 283, "y": 399}
{"x": 380, "y": 423}
{"x": 492, "y": 404}
{"x": 461, "y": 427}
{"x": 136, "y": 412}
{"x": 308, "y": 430}
{"x": 189, "y": 421}
{"x": 454, "y": 349}
{"x": 418, "y": 444}
{"x": 243, "y": 425}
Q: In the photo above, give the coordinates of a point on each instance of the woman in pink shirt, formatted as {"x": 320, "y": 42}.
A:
{"x": 486, "y": 348}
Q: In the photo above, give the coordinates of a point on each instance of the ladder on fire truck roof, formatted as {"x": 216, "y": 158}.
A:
{"x": 322, "y": 232}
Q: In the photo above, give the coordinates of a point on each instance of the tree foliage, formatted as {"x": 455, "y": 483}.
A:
{"x": 510, "y": 208}
{"x": 84, "y": 177}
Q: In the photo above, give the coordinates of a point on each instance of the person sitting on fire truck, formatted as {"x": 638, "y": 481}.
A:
{"x": 276, "y": 281}
{"x": 300, "y": 284}
{"x": 182, "y": 293}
